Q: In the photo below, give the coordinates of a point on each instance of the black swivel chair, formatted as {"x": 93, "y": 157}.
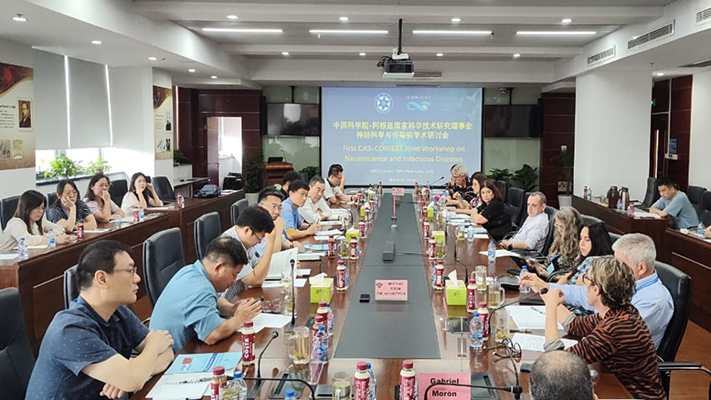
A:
{"x": 504, "y": 189}
{"x": 614, "y": 237}
{"x": 589, "y": 220}
{"x": 16, "y": 358}
{"x": 162, "y": 258}
{"x": 236, "y": 208}
{"x": 652, "y": 193}
{"x": 696, "y": 197}
{"x": 71, "y": 289}
{"x": 117, "y": 190}
{"x": 550, "y": 211}
{"x": 516, "y": 205}
{"x": 51, "y": 198}
{"x": 705, "y": 216}
{"x": 8, "y": 206}
{"x": 164, "y": 189}
{"x": 207, "y": 228}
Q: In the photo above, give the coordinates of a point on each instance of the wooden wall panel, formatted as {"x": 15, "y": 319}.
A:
{"x": 558, "y": 130}
{"x": 680, "y": 115}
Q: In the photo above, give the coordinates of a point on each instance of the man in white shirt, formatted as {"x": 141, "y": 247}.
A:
{"x": 333, "y": 191}
{"x": 532, "y": 235}
{"x": 316, "y": 208}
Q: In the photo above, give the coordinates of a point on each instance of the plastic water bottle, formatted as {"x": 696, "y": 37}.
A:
{"x": 525, "y": 288}
{"x": 319, "y": 353}
{"x": 329, "y": 326}
{"x": 236, "y": 388}
{"x": 701, "y": 230}
{"x": 23, "y": 251}
{"x": 51, "y": 240}
{"x": 470, "y": 234}
{"x": 290, "y": 395}
{"x": 372, "y": 388}
{"x": 141, "y": 214}
{"x": 491, "y": 252}
{"x": 476, "y": 333}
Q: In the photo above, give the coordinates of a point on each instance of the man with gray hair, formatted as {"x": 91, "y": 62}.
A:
{"x": 532, "y": 235}
{"x": 316, "y": 208}
{"x": 459, "y": 186}
{"x": 651, "y": 298}
{"x": 560, "y": 375}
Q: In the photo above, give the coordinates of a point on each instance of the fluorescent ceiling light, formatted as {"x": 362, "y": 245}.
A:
{"x": 361, "y": 54}
{"x": 231, "y": 16}
{"x": 426, "y": 32}
{"x": 284, "y": 53}
{"x": 556, "y": 33}
{"x": 191, "y": 70}
{"x": 566, "y": 21}
{"x": 440, "y": 55}
{"x": 660, "y": 73}
{"x": 455, "y": 20}
{"x": 152, "y": 58}
{"x": 96, "y": 42}
{"x": 242, "y": 30}
{"x": 344, "y": 19}
{"x": 214, "y": 77}
{"x": 516, "y": 55}
{"x": 348, "y": 32}
{"x": 19, "y": 18}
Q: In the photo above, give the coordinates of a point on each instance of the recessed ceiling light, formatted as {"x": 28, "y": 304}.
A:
{"x": 427, "y": 32}
{"x": 348, "y": 31}
{"x": 660, "y": 73}
{"x": 455, "y": 20}
{"x": 344, "y": 19}
{"x": 191, "y": 70}
{"x": 214, "y": 77}
{"x": 566, "y": 21}
{"x": 232, "y": 16}
{"x": 19, "y": 18}
{"x": 361, "y": 54}
{"x": 556, "y": 33}
{"x": 516, "y": 55}
{"x": 97, "y": 42}
{"x": 152, "y": 58}
{"x": 440, "y": 54}
{"x": 284, "y": 53}
{"x": 242, "y": 30}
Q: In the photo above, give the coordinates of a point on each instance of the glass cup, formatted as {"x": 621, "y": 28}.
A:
{"x": 440, "y": 250}
{"x": 344, "y": 249}
{"x": 298, "y": 345}
{"x": 502, "y": 326}
{"x": 480, "y": 276}
{"x": 497, "y": 294}
{"x": 341, "y": 386}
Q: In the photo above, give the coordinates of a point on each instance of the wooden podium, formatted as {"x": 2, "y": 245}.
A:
{"x": 275, "y": 171}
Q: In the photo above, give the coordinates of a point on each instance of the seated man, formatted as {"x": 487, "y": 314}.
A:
{"x": 651, "y": 299}
{"x": 86, "y": 351}
{"x": 674, "y": 203}
{"x": 294, "y": 227}
{"x": 253, "y": 226}
{"x": 289, "y": 177}
{"x": 190, "y": 306}
{"x": 532, "y": 235}
{"x": 270, "y": 199}
{"x": 316, "y": 208}
{"x": 335, "y": 183}
{"x": 459, "y": 187}
{"x": 560, "y": 375}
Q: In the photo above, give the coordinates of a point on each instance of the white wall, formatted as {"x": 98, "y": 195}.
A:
{"x": 612, "y": 124}
{"x": 700, "y": 147}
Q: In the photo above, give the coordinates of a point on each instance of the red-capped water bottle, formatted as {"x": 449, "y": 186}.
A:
{"x": 431, "y": 245}
{"x": 331, "y": 246}
{"x": 426, "y": 229}
{"x": 341, "y": 276}
{"x": 323, "y": 311}
{"x": 631, "y": 210}
{"x": 218, "y": 383}
{"x": 471, "y": 296}
{"x": 438, "y": 283}
{"x": 180, "y": 200}
{"x": 248, "y": 343}
{"x": 354, "y": 249}
{"x": 319, "y": 320}
{"x": 359, "y": 197}
{"x": 367, "y": 215}
{"x": 80, "y": 230}
{"x": 361, "y": 229}
{"x": 136, "y": 214}
{"x": 484, "y": 317}
{"x": 380, "y": 189}
{"x": 408, "y": 381}
{"x": 361, "y": 382}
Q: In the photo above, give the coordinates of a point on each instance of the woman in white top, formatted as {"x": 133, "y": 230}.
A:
{"x": 99, "y": 200}
{"x": 29, "y": 223}
{"x": 138, "y": 195}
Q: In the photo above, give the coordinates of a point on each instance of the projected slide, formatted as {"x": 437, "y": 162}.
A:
{"x": 400, "y": 135}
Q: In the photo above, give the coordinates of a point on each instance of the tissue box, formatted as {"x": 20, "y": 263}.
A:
{"x": 439, "y": 237}
{"x": 352, "y": 233}
{"x": 317, "y": 291}
{"x": 456, "y": 296}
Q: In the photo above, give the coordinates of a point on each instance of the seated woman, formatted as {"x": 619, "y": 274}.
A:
{"x": 138, "y": 195}
{"x": 99, "y": 200}
{"x": 493, "y": 214}
{"x": 564, "y": 254}
{"x": 29, "y": 223}
{"x": 68, "y": 210}
{"x": 616, "y": 336}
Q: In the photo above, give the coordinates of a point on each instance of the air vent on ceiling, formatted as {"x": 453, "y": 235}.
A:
{"x": 698, "y": 64}
{"x": 703, "y": 16}
{"x": 602, "y": 56}
{"x": 423, "y": 74}
{"x": 657, "y": 34}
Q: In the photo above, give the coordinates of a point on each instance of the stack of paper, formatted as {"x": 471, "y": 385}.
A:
{"x": 535, "y": 342}
{"x": 529, "y": 317}
{"x": 501, "y": 253}
{"x": 189, "y": 375}
{"x": 281, "y": 262}
{"x": 316, "y": 256}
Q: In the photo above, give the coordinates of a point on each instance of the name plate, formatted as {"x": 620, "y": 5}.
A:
{"x": 398, "y": 191}
{"x": 391, "y": 290}
{"x": 445, "y": 392}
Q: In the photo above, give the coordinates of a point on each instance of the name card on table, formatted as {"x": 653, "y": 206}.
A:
{"x": 398, "y": 191}
{"x": 391, "y": 290}
{"x": 445, "y": 392}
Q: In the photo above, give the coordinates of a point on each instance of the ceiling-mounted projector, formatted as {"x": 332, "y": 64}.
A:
{"x": 399, "y": 65}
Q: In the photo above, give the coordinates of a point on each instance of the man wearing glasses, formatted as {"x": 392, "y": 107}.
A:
{"x": 270, "y": 199}
{"x": 294, "y": 227}
{"x": 253, "y": 226}
{"x": 86, "y": 352}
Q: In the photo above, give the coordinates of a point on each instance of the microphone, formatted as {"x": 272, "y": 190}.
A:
{"x": 435, "y": 181}
{"x": 283, "y": 153}
{"x": 254, "y": 391}
{"x": 293, "y": 294}
{"x": 313, "y": 395}
{"x": 516, "y": 389}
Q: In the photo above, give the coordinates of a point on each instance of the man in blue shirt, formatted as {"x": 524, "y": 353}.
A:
{"x": 651, "y": 299}
{"x": 189, "y": 306}
{"x": 294, "y": 227}
{"x": 270, "y": 199}
{"x": 675, "y": 204}
{"x": 86, "y": 351}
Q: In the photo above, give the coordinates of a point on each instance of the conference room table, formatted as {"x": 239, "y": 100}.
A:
{"x": 442, "y": 355}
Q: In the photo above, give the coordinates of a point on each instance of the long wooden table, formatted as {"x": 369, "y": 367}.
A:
{"x": 387, "y": 370}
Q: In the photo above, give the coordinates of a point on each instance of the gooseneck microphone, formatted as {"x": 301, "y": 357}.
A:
{"x": 433, "y": 182}
{"x": 293, "y": 294}
{"x": 254, "y": 390}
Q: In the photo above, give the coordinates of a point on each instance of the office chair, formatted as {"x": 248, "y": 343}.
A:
{"x": 589, "y": 220}
{"x": 117, "y": 190}
{"x": 705, "y": 216}
{"x": 207, "y": 228}
{"x": 236, "y": 208}
{"x": 696, "y": 197}
{"x": 162, "y": 258}
{"x": 164, "y": 189}
{"x": 516, "y": 205}
{"x": 51, "y": 198}
{"x": 71, "y": 289}
{"x": 550, "y": 211}
{"x": 8, "y": 206}
{"x": 614, "y": 237}
{"x": 16, "y": 358}
{"x": 652, "y": 193}
{"x": 504, "y": 189}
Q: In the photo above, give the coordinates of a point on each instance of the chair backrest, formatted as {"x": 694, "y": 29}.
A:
{"x": 504, "y": 189}
{"x": 71, "y": 289}
{"x": 207, "y": 228}
{"x": 8, "y": 206}
{"x": 705, "y": 216}
{"x": 550, "y": 211}
{"x": 652, "y": 193}
{"x": 516, "y": 204}
{"x": 696, "y": 197}
{"x": 16, "y": 358}
{"x": 589, "y": 219}
{"x": 679, "y": 286}
{"x": 164, "y": 189}
{"x": 117, "y": 190}
{"x": 162, "y": 258}
{"x": 614, "y": 237}
{"x": 51, "y": 198}
{"x": 236, "y": 208}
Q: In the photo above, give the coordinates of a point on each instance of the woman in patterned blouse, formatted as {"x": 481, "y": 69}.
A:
{"x": 594, "y": 242}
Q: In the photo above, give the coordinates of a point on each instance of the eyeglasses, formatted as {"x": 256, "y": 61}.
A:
{"x": 71, "y": 193}
{"x": 589, "y": 280}
{"x": 131, "y": 270}
{"x": 257, "y": 236}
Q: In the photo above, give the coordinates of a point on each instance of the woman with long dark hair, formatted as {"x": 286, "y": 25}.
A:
{"x": 594, "y": 242}
{"x": 492, "y": 214}
{"x": 99, "y": 200}
{"x": 68, "y": 210}
{"x": 29, "y": 223}
{"x": 140, "y": 193}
